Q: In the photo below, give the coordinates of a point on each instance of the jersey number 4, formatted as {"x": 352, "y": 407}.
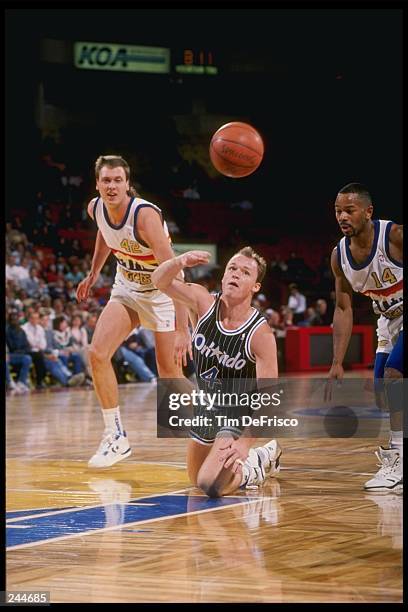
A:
{"x": 210, "y": 375}
{"x": 387, "y": 277}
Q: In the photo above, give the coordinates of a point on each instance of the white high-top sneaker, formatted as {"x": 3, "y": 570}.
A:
{"x": 270, "y": 460}
{"x": 113, "y": 448}
{"x": 389, "y": 477}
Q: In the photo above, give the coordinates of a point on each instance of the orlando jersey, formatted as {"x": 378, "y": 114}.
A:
{"x": 224, "y": 355}
{"x": 135, "y": 259}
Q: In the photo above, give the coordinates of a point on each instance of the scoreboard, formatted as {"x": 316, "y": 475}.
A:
{"x": 135, "y": 58}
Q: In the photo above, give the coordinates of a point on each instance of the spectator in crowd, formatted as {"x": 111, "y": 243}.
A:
{"x": 263, "y": 301}
{"x": 297, "y": 303}
{"x": 11, "y": 386}
{"x": 14, "y": 271}
{"x": 130, "y": 352}
{"x": 273, "y": 319}
{"x": 46, "y": 304}
{"x": 147, "y": 349}
{"x": 66, "y": 345}
{"x": 24, "y": 273}
{"x": 309, "y": 318}
{"x": 57, "y": 289}
{"x": 286, "y": 319}
{"x": 26, "y": 300}
{"x": 51, "y": 274}
{"x": 322, "y": 315}
{"x": 75, "y": 275}
{"x": 43, "y": 290}
{"x": 17, "y": 355}
{"x": 70, "y": 291}
{"x": 36, "y": 339}
{"x": 58, "y": 307}
{"x": 91, "y": 324}
{"x": 81, "y": 344}
{"x": 13, "y": 301}
{"x": 31, "y": 284}
{"x": 53, "y": 363}
{"x": 62, "y": 267}
{"x": 15, "y": 235}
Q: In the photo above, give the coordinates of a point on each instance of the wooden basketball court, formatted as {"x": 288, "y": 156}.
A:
{"x": 138, "y": 532}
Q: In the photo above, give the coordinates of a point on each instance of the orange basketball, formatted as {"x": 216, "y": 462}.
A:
{"x": 236, "y": 149}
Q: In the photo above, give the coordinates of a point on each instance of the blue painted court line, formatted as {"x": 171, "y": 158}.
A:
{"x": 86, "y": 520}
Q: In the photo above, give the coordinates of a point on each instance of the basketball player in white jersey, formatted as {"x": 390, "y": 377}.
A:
{"x": 135, "y": 232}
{"x": 231, "y": 342}
{"x": 368, "y": 260}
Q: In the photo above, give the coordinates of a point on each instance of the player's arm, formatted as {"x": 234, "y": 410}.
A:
{"x": 263, "y": 347}
{"x": 150, "y": 229}
{"x": 167, "y": 279}
{"x": 396, "y": 241}
{"x": 101, "y": 254}
{"x": 342, "y": 319}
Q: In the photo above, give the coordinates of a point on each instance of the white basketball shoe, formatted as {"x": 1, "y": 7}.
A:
{"x": 389, "y": 477}
{"x": 261, "y": 462}
{"x": 113, "y": 448}
{"x": 268, "y": 455}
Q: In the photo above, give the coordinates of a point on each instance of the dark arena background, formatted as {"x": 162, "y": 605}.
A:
{"x": 323, "y": 87}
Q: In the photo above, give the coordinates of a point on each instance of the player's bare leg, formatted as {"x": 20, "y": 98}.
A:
{"x": 165, "y": 360}
{"x": 114, "y": 325}
{"x": 196, "y": 455}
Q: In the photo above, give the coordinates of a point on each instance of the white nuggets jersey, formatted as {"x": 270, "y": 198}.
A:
{"x": 135, "y": 259}
{"x": 380, "y": 278}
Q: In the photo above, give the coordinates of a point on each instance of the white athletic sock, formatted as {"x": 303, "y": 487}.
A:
{"x": 396, "y": 441}
{"x": 113, "y": 424}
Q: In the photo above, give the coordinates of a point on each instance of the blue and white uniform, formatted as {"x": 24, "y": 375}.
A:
{"x": 380, "y": 277}
{"x": 135, "y": 264}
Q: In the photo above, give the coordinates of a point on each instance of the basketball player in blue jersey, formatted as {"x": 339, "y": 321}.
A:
{"x": 232, "y": 342}
{"x": 135, "y": 232}
{"x": 368, "y": 259}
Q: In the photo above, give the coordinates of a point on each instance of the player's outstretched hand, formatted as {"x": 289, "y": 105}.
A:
{"x": 195, "y": 258}
{"x": 84, "y": 287}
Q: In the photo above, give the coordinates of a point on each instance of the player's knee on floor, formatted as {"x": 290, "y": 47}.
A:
{"x": 211, "y": 487}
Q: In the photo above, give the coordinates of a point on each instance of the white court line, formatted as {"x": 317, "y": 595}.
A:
{"x": 123, "y": 525}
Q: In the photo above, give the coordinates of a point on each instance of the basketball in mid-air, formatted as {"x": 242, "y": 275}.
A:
{"x": 236, "y": 149}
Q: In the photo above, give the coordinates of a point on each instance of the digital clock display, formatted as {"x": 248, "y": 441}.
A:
{"x": 196, "y": 61}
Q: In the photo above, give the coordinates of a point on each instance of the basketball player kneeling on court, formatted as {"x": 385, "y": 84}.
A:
{"x": 219, "y": 460}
